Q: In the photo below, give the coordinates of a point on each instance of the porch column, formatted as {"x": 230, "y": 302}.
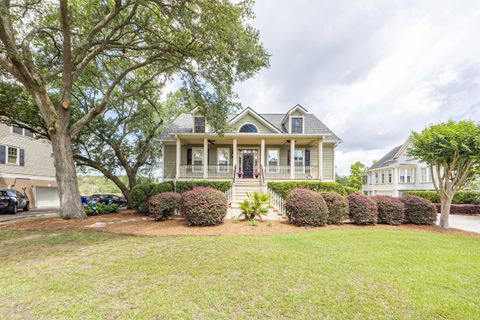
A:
{"x": 177, "y": 159}
{"x": 320, "y": 159}
{"x": 262, "y": 153}
{"x": 333, "y": 163}
{"x": 205, "y": 158}
{"x": 292, "y": 159}
{"x": 235, "y": 156}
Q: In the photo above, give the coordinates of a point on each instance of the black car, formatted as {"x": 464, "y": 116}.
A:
{"x": 109, "y": 199}
{"x": 12, "y": 200}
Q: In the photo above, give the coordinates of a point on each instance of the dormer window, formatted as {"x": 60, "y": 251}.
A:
{"x": 248, "y": 128}
{"x": 297, "y": 124}
{"x": 199, "y": 124}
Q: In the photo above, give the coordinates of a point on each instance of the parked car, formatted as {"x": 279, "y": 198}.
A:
{"x": 87, "y": 200}
{"x": 109, "y": 199}
{"x": 12, "y": 200}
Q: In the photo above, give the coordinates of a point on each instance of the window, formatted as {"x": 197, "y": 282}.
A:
{"x": 376, "y": 178}
{"x": 21, "y": 131}
{"x": 17, "y": 130}
{"x": 12, "y": 155}
{"x": 197, "y": 155}
{"x": 407, "y": 175}
{"x": 383, "y": 177}
{"x": 248, "y": 128}
{"x": 199, "y": 124}
{"x": 223, "y": 159}
{"x": 390, "y": 176}
{"x": 273, "y": 158}
{"x": 426, "y": 176}
{"x": 297, "y": 125}
{"x": 299, "y": 160}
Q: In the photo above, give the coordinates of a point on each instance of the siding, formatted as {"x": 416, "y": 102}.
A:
{"x": 169, "y": 162}
{"x": 38, "y": 154}
{"x": 249, "y": 119}
{"x": 328, "y": 162}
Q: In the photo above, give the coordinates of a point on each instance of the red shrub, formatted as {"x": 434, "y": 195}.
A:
{"x": 419, "y": 210}
{"x": 337, "y": 207}
{"x": 461, "y": 208}
{"x": 363, "y": 209}
{"x": 390, "y": 210}
{"x": 203, "y": 206}
{"x": 306, "y": 208}
{"x": 163, "y": 205}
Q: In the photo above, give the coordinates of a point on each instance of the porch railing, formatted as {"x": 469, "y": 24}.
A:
{"x": 213, "y": 171}
{"x": 276, "y": 201}
{"x": 283, "y": 172}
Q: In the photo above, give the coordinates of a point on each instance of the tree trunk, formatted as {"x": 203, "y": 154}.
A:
{"x": 445, "y": 210}
{"x": 66, "y": 174}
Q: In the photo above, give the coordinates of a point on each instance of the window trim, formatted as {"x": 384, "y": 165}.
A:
{"x": 23, "y": 132}
{"x": 428, "y": 175}
{"x": 291, "y": 122}
{"x": 228, "y": 159}
{"x": 7, "y": 155}
{"x": 194, "y": 166}
{"x": 406, "y": 172}
{"x": 277, "y": 166}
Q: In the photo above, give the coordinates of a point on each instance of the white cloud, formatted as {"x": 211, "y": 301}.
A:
{"x": 373, "y": 71}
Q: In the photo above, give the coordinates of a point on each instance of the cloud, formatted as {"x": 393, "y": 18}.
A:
{"x": 373, "y": 71}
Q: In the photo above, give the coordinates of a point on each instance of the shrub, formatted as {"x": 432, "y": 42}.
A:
{"x": 419, "y": 210}
{"x": 256, "y": 205}
{"x": 337, "y": 207}
{"x": 306, "y": 208}
{"x": 182, "y": 186}
{"x": 390, "y": 210}
{"x": 97, "y": 209}
{"x": 143, "y": 191}
{"x": 461, "y": 208}
{"x": 203, "y": 206}
{"x": 350, "y": 190}
{"x": 163, "y": 205}
{"x": 363, "y": 209}
{"x": 461, "y": 197}
{"x": 283, "y": 189}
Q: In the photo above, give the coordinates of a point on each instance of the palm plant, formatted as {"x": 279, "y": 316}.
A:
{"x": 256, "y": 205}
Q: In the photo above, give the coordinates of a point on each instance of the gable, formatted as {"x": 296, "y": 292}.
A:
{"x": 248, "y": 118}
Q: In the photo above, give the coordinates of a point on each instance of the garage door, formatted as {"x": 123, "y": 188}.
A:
{"x": 47, "y": 197}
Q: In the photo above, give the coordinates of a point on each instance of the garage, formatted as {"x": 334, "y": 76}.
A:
{"x": 47, "y": 197}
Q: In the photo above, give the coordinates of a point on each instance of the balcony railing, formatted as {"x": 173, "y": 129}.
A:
{"x": 227, "y": 172}
{"x": 213, "y": 172}
{"x": 283, "y": 172}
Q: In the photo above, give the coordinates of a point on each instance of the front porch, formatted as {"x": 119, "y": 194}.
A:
{"x": 243, "y": 156}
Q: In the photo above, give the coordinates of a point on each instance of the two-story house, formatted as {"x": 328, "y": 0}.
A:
{"x": 294, "y": 145}
{"x": 397, "y": 172}
{"x": 26, "y": 165}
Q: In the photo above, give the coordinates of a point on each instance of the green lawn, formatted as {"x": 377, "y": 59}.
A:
{"x": 330, "y": 274}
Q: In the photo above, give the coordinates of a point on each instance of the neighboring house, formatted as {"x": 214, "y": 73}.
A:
{"x": 397, "y": 172}
{"x": 26, "y": 165}
{"x": 294, "y": 145}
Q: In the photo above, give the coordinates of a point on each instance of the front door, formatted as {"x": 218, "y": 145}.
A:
{"x": 247, "y": 165}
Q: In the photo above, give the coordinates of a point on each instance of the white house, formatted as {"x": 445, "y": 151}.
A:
{"x": 395, "y": 173}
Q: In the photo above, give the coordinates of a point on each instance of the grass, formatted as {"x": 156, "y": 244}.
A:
{"x": 330, "y": 274}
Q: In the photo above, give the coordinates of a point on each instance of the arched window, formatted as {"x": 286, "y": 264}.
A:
{"x": 248, "y": 128}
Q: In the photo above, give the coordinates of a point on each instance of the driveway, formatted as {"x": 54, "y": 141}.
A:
{"x": 47, "y": 212}
{"x": 467, "y": 223}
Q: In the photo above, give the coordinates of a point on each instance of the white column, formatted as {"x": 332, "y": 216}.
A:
{"x": 262, "y": 153}
{"x": 395, "y": 182}
{"x": 333, "y": 161}
{"x": 205, "y": 158}
{"x": 292, "y": 159}
{"x": 177, "y": 159}
{"x": 235, "y": 155}
{"x": 320, "y": 159}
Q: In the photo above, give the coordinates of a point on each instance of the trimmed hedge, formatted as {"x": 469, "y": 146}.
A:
{"x": 283, "y": 189}
{"x": 390, "y": 210}
{"x": 306, "y": 208}
{"x": 461, "y": 208}
{"x": 337, "y": 207}
{"x": 99, "y": 209}
{"x": 203, "y": 206}
{"x": 461, "y": 197}
{"x": 419, "y": 210}
{"x": 182, "y": 186}
{"x": 143, "y": 191}
{"x": 163, "y": 205}
{"x": 363, "y": 210}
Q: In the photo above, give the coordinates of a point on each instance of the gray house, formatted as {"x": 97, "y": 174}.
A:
{"x": 294, "y": 145}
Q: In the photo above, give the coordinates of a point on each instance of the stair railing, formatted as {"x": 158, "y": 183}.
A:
{"x": 276, "y": 201}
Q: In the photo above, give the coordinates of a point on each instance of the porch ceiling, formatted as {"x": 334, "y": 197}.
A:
{"x": 247, "y": 140}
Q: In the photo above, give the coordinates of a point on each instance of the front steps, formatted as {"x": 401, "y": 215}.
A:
{"x": 241, "y": 190}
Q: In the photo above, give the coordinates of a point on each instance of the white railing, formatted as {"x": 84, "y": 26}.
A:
{"x": 283, "y": 172}
{"x": 276, "y": 201}
{"x": 229, "y": 195}
{"x": 213, "y": 172}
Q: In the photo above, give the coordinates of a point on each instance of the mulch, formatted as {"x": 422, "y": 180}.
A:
{"x": 131, "y": 223}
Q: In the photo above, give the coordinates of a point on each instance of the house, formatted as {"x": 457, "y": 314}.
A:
{"x": 397, "y": 172}
{"x": 26, "y": 165}
{"x": 294, "y": 145}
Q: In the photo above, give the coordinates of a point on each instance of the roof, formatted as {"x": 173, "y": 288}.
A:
{"x": 313, "y": 125}
{"x": 390, "y": 156}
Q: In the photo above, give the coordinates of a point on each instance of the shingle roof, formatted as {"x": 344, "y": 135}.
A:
{"x": 184, "y": 123}
{"x": 386, "y": 158}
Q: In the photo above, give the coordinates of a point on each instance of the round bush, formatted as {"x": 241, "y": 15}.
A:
{"x": 203, "y": 206}
{"x": 306, "y": 208}
{"x": 362, "y": 209}
{"x": 143, "y": 191}
{"x": 390, "y": 210}
{"x": 163, "y": 205}
{"x": 337, "y": 207}
{"x": 419, "y": 210}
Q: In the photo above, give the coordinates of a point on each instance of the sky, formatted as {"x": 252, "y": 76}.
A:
{"x": 372, "y": 71}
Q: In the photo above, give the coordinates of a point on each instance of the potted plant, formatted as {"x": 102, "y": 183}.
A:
{"x": 239, "y": 174}
{"x": 256, "y": 174}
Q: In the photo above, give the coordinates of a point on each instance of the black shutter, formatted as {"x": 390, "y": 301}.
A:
{"x": 2, "y": 154}
{"x": 189, "y": 157}
{"x": 22, "y": 157}
{"x": 288, "y": 157}
{"x": 307, "y": 158}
